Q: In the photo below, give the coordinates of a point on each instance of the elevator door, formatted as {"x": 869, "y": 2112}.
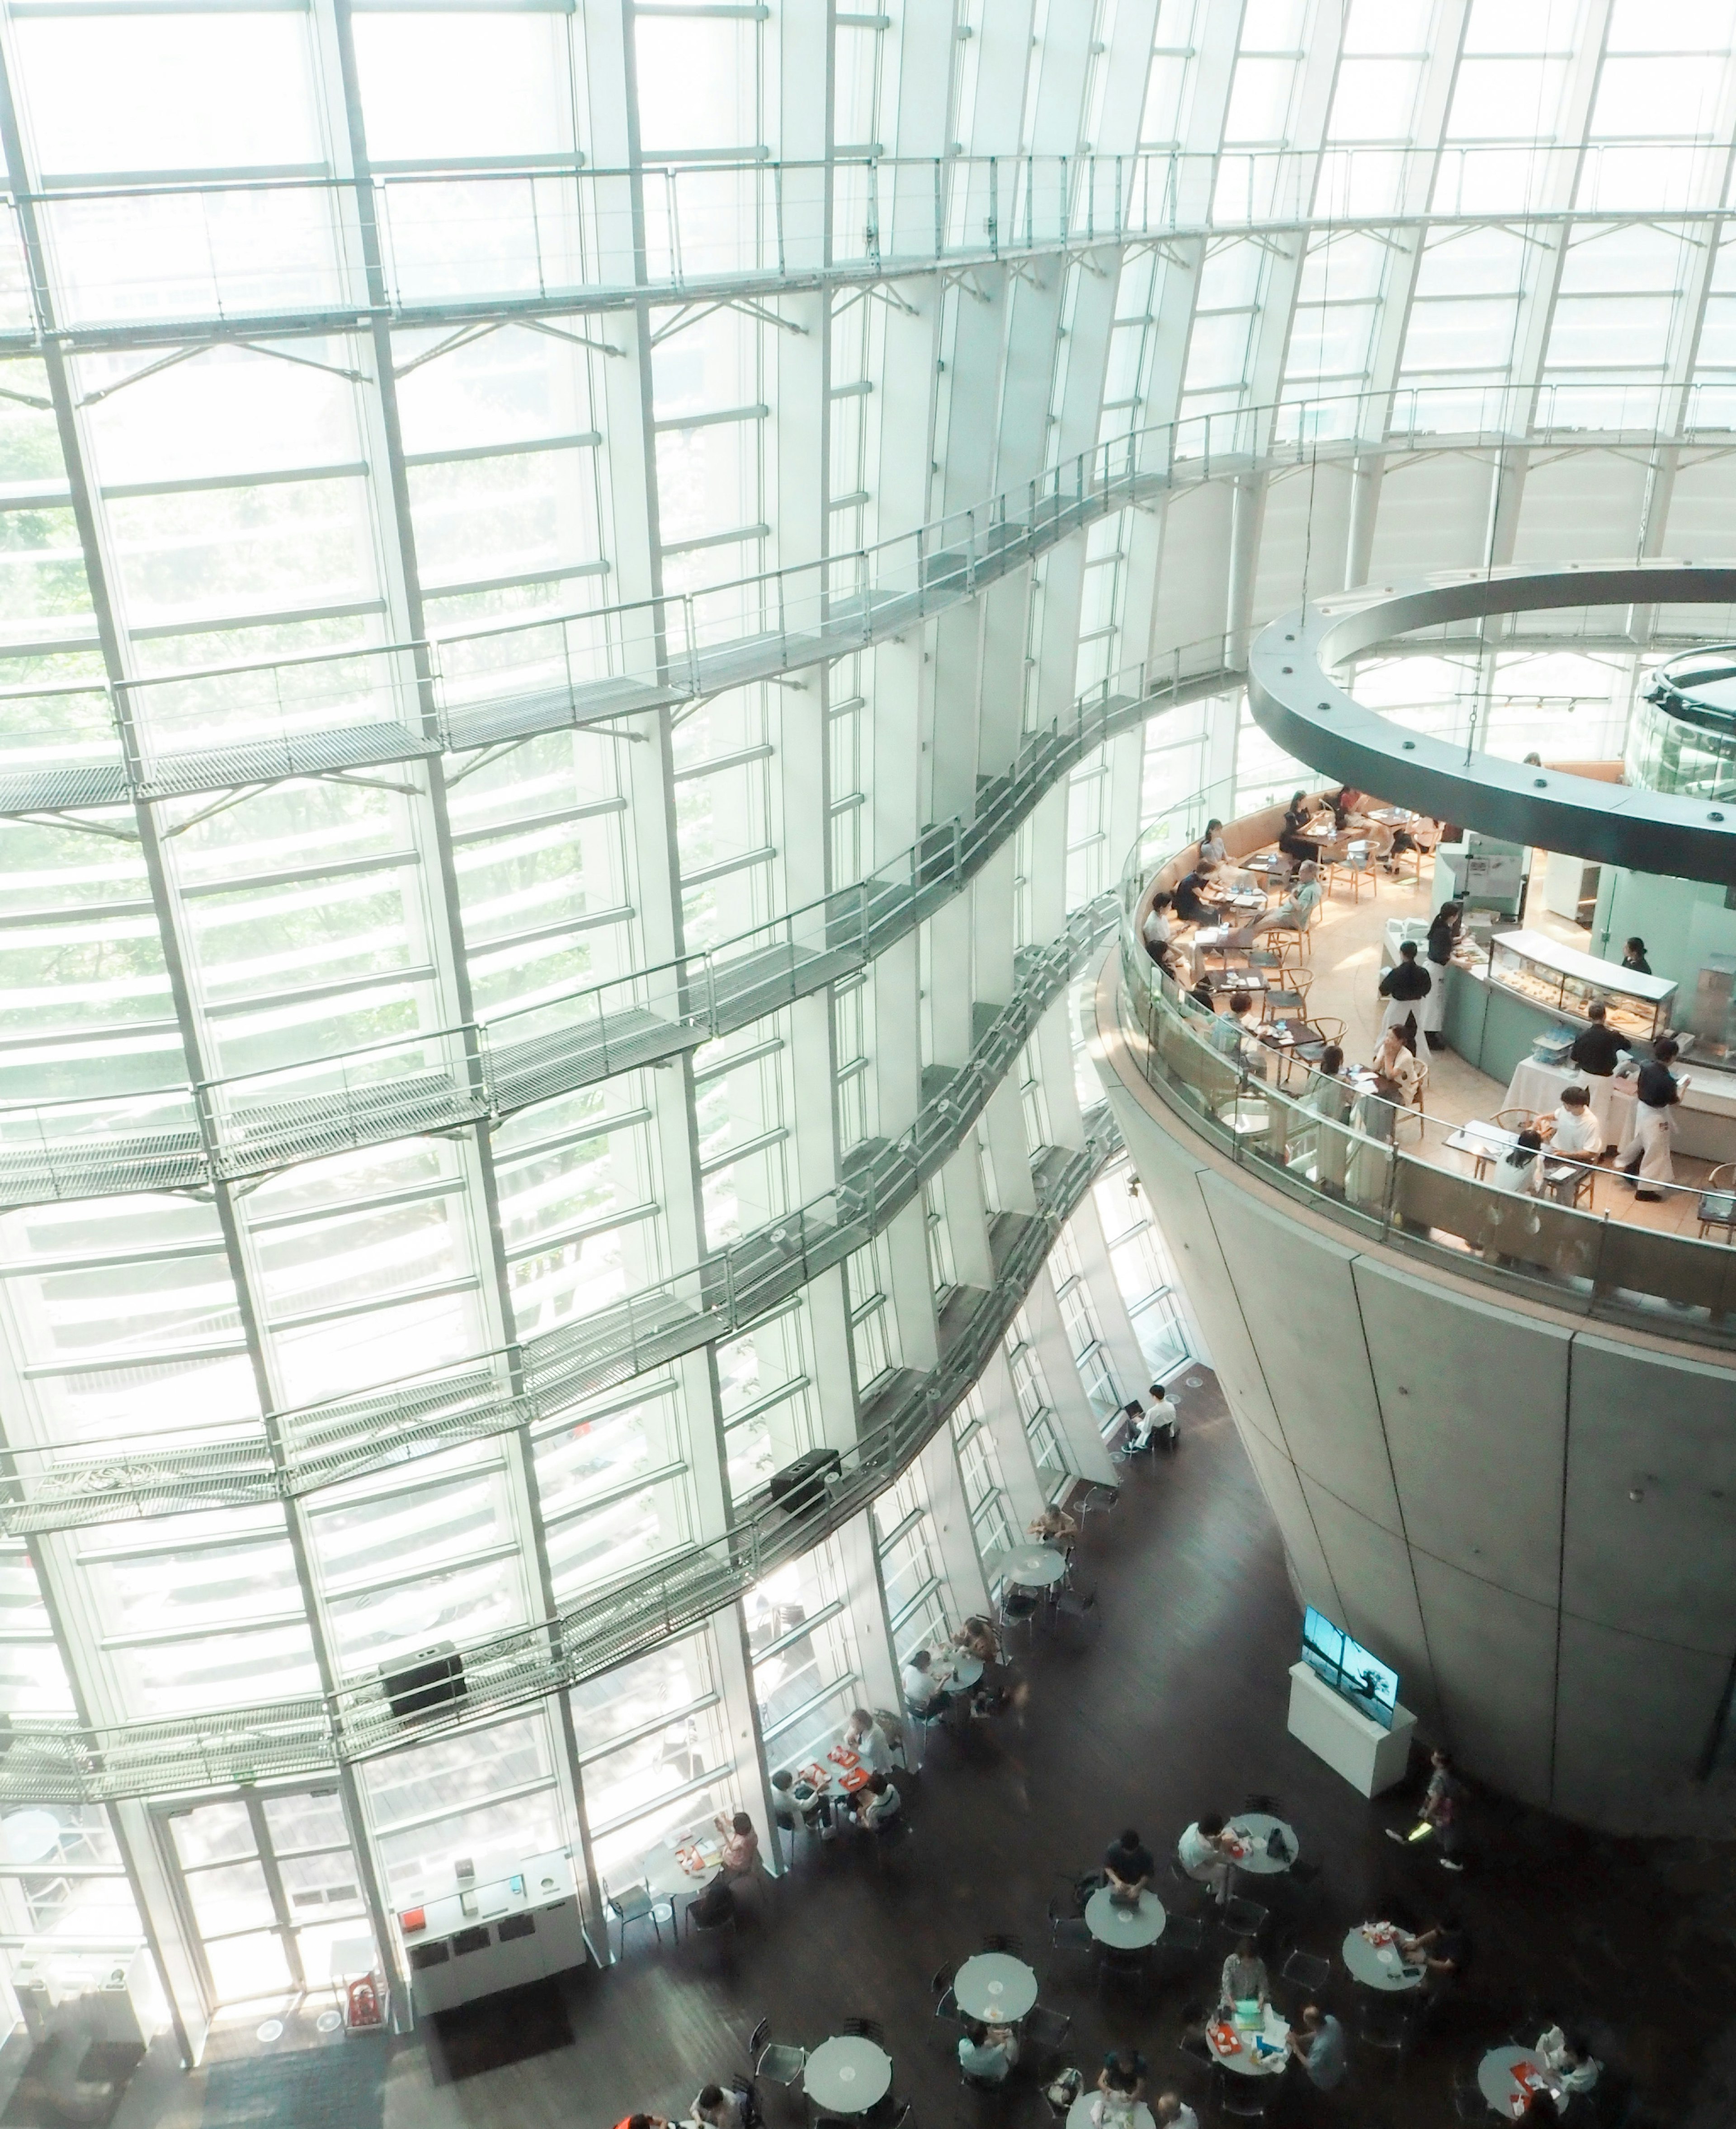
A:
{"x": 269, "y": 1885}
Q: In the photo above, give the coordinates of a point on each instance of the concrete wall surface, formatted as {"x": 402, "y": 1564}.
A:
{"x": 1532, "y": 1520}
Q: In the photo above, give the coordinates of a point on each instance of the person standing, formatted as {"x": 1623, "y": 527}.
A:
{"x": 1645, "y": 1156}
{"x": 1596, "y": 1048}
{"x": 1439, "y": 1818}
{"x": 1635, "y": 958}
{"x": 1404, "y": 987}
{"x": 1443, "y": 931}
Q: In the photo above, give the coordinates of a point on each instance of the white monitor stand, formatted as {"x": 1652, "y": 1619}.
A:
{"x": 1370, "y": 1757}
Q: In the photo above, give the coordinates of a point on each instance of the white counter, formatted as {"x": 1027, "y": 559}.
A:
{"x": 1706, "y": 1116}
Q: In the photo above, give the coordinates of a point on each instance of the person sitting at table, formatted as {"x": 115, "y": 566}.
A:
{"x": 1294, "y": 913}
{"x": 1170, "y": 2110}
{"x": 1212, "y": 852}
{"x": 1319, "y": 2046}
{"x": 987, "y": 2053}
{"x": 1520, "y": 1168}
{"x": 1201, "y": 995}
{"x": 1053, "y": 1526}
{"x": 1444, "y": 1952}
{"x": 1203, "y": 1852}
{"x": 1233, "y": 1032}
{"x": 1596, "y": 1048}
{"x": 715, "y": 1904}
{"x": 920, "y": 1690}
{"x": 644, "y": 2122}
{"x": 1244, "y": 1980}
{"x": 876, "y": 1801}
{"x": 740, "y": 1846}
{"x": 863, "y": 1736}
{"x": 1404, "y": 987}
{"x": 1569, "y": 2058}
{"x": 816, "y": 1806}
{"x": 1159, "y": 931}
{"x": 1189, "y": 900}
{"x": 1292, "y": 841}
{"x": 1404, "y": 839}
{"x": 719, "y": 2109}
{"x": 1130, "y": 1867}
{"x": 1395, "y": 1062}
{"x": 977, "y": 1638}
{"x": 1123, "y": 2075}
{"x": 1542, "y": 2112}
{"x": 1346, "y": 803}
{"x": 1573, "y": 1131}
{"x": 1438, "y": 1817}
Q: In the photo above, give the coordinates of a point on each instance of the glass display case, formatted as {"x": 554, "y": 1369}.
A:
{"x": 1561, "y": 979}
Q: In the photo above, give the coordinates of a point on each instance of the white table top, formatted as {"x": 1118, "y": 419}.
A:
{"x": 665, "y": 1876}
{"x": 1127, "y": 1929}
{"x": 995, "y": 1986}
{"x": 847, "y": 2074}
{"x": 1244, "y": 2062}
{"x": 1382, "y": 1969}
{"x": 1495, "y": 2079}
{"x": 1033, "y": 1566}
{"x": 1079, "y": 2115}
{"x": 1490, "y": 1141}
{"x": 1260, "y": 1824}
{"x": 959, "y": 1671}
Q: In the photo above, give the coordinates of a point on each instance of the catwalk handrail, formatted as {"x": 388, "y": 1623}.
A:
{"x": 182, "y": 733}
{"x": 54, "y": 1762}
{"x": 153, "y": 261}
{"x": 1336, "y": 1152}
{"x": 388, "y": 1424}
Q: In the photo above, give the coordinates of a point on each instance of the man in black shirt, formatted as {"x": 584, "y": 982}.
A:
{"x": 1596, "y": 1049}
{"x": 1404, "y": 987}
{"x": 1130, "y": 1869}
{"x": 1646, "y": 1155}
{"x": 1189, "y": 900}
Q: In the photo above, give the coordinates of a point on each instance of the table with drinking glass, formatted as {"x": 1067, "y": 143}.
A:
{"x": 1506, "y": 2078}
{"x": 847, "y": 2076}
{"x": 1372, "y": 1956}
{"x": 1254, "y": 2050}
{"x": 1488, "y": 1143}
{"x": 995, "y": 1988}
{"x": 673, "y": 1868}
{"x": 1033, "y": 1566}
{"x": 1124, "y": 1928}
{"x": 1254, "y": 1829}
{"x": 956, "y": 1672}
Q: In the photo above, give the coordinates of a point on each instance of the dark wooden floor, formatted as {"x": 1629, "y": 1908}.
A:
{"x": 1176, "y": 1708}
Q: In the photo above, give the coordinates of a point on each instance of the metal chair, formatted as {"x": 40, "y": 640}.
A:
{"x": 1308, "y": 1970}
{"x": 1263, "y": 1800}
{"x": 779, "y": 2061}
{"x": 634, "y": 1903}
{"x": 1069, "y": 1932}
{"x": 1717, "y": 1206}
{"x": 1247, "y": 2098}
{"x": 865, "y": 2029}
{"x": 1384, "y": 2027}
{"x": 1100, "y": 1500}
{"x": 1242, "y": 1917}
{"x": 1046, "y": 2031}
{"x": 726, "y": 1925}
{"x": 1184, "y": 1895}
{"x": 1184, "y": 1936}
{"x": 1079, "y": 1605}
{"x": 999, "y": 1941}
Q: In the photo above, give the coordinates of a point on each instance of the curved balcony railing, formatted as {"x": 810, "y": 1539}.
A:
{"x": 140, "y": 264}
{"x": 390, "y": 1424}
{"x": 1347, "y": 1158}
{"x": 60, "y": 1762}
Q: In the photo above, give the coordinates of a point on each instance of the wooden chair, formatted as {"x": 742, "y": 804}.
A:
{"x": 1516, "y": 1120}
{"x": 1717, "y": 1207}
{"x": 1328, "y": 1029}
{"x": 1358, "y": 866}
{"x": 1415, "y": 1110}
{"x": 1287, "y": 998}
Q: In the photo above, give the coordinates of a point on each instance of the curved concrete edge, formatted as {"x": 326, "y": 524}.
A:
{"x": 1298, "y": 703}
{"x": 1530, "y": 1520}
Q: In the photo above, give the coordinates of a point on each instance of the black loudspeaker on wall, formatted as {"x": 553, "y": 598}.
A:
{"x": 427, "y": 1682}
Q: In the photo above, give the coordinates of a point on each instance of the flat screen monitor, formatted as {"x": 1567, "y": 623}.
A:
{"x": 1370, "y": 1687}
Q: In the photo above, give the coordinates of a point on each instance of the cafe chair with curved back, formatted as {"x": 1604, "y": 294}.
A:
{"x": 633, "y": 1903}
{"x": 1514, "y": 1119}
{"x": 1306, "y": 1972}
{"x": 946, "y": 2003}
{"x": 723, "y": 1928}
{"x": 1247, "y": 2098}
{"x": 1068, "y": 1932}
{"x": 999, "y": 1941}
{"x": 1241, "y": 1918}
{"x": 1080, "y": 1606}
{"x": 1717, "y": 1207}
{"x": 779, "y": 2062}
{"x": 865, "y": 2029}
{"x": 1046, "y": 2031}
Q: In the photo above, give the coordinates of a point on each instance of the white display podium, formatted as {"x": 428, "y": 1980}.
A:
{"x": 1371, "y": 1758}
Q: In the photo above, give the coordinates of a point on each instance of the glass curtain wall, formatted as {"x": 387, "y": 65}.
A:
{"x": 550, "y": 714}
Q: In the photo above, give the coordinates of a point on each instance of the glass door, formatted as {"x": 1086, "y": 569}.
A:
{"x": 270, "y": 1886}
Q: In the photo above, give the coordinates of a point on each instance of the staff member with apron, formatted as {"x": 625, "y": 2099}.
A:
{"x": 1404, "y": 986}
{"x": 1646, "y": 1157}
{"x": 1443, "y": 937}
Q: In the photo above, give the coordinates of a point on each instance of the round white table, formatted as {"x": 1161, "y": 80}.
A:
{"x": 1495, "y": 2079}
{"x": 995, "y": 1986}
{"x": 961, "y": 1671}
{"x": 1125, "y": 1929}
{"x": 1079, "y": 2115}
{"x": 1245, "y": 2062}
{"x": 1261, "y": 1826}
{"x": 28, "y": 1837}
{"x": 665, "y": 1876}
{"x": 847, "y": 2076}
{"x": 1379, "y": 1969}
{"x": 1033, "y": 1566}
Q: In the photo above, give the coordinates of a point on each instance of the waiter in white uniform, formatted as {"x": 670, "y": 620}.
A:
{"x": 1646, "y": 1155}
